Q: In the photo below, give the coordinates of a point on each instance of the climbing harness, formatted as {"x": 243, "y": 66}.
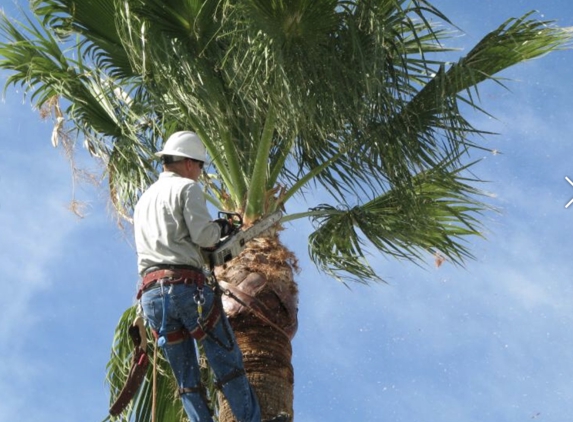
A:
{"x": 205, "y": 323}
{"x": 164, "y": 279}
{"x": 171, "y": 276}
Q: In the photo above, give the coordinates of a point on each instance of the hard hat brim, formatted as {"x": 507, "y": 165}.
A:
{"x": 160, "y": 154}
{"x": 173, "y": 153}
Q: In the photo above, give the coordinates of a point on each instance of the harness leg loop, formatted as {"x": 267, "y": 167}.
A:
{"x": 229, "y": 377}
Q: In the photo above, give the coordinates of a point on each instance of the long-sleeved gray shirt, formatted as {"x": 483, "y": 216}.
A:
{"x": 171, "y": 223}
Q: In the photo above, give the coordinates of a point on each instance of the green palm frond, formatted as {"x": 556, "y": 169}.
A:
{"x": 515, "y": 41}
{"x": 356, "y": 104}
{"x": 430, "y": 127}
{"x": 95, "y": 22}
{"x": 435, "y": 216}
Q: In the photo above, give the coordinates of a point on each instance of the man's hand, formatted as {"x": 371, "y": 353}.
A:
{"x": 226, "y": 226}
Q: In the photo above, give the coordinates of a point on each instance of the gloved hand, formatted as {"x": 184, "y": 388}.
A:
{"x": 226, "y": 226}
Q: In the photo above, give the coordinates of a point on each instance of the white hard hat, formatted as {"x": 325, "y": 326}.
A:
{"x": 184, "y": 144}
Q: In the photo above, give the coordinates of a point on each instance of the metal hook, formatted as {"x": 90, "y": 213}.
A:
{"x": 199, "y": 299}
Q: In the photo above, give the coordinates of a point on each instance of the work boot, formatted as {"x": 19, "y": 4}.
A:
{"x": 281, "y": 417}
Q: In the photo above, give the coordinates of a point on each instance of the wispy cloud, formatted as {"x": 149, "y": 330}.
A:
{"x": 34, "y": 224}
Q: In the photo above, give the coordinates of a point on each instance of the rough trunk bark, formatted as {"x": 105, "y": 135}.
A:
{"x": 262, "y": 305}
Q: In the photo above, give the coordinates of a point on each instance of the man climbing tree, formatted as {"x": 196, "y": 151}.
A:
{"x": 171, "y": 224}
{"x": 289, "y": 97}
{"x": 181, "y": 304}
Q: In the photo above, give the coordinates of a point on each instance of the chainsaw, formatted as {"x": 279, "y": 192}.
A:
{"x": 231, "y": 246}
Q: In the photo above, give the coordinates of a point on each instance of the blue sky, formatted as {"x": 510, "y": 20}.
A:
{"x": 488, "y": 342}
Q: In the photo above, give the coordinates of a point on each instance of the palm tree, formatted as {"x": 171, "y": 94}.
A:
{"x": 350, "y": 101}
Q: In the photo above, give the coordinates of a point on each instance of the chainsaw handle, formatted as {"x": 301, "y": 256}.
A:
{"x": 234, "y": 218}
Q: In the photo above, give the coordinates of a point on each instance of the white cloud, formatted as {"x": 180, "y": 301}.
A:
{"x": 35, "y": 223}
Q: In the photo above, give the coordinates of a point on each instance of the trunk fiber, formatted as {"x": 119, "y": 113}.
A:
{"x": 261, "y": 303}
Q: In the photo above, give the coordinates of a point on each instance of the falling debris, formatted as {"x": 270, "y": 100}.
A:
{"x": 439, "y": 259}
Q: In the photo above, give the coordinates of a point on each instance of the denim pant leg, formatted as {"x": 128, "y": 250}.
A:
{"x": 226, "y": 360}
{"x": 183, "y": 360}
{"x": 182, "y": 355}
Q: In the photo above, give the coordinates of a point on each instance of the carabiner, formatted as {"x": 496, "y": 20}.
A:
{"x": 199, "y": 299}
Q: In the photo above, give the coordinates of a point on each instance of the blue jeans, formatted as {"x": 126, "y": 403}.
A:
{"x": 221, "y": 350}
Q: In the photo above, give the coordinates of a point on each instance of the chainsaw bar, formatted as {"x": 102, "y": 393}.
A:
{"x": 236, "y": 242}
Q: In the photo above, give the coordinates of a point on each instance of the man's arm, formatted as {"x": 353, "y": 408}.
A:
{"x": 204, "y": 232}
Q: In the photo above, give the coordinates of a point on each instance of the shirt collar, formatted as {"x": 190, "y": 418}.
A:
{"x": 168, "y": 174}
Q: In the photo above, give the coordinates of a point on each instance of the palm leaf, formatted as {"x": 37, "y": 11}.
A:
{"x": 357, "y": 105}
{"x": 435, "y": 215}
{"x": 95, "y": 21}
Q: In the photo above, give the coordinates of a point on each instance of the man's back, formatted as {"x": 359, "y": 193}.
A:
{"x": 171, "y": 222}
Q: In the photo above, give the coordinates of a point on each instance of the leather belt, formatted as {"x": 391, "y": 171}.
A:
{"x": 171, "y": 276}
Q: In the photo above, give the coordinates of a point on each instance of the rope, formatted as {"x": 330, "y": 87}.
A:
{"x": 154, "y": 388}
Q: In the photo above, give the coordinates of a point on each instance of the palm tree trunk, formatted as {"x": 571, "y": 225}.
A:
{"x": 261, "y": 301}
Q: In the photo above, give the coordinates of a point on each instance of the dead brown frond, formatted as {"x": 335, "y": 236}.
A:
{"x": 62, "y": 137}
{"x": 78, "y": 208}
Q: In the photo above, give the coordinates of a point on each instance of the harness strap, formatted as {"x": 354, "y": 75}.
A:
{"x": 172, "y": 336}
{"x": 219, "y": 384}
{"x": 197, "y": 390}
{"x": 230, "y": 377}
{"x": 207, "y": 324}
{"x": 199, "y": 333}
{"x": 186, "y": 390}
